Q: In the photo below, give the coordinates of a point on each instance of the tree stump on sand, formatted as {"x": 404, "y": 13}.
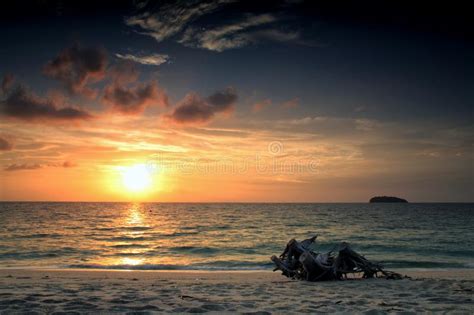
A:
{"x": 299, "y": 261}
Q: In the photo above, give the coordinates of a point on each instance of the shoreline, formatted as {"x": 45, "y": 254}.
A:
{"x": 265, "y": 292}
{"x": 438, "y": 273}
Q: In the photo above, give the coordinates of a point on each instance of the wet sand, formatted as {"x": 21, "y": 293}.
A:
{"x": 92, "y": 291}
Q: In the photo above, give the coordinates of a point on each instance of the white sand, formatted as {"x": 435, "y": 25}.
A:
{"x": 49, "y": 291}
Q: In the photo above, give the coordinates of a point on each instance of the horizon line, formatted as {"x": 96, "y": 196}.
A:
{"x": 216, "y": 202}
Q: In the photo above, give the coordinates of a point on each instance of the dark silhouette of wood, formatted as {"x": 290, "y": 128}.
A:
{"x": 299, "y": 261}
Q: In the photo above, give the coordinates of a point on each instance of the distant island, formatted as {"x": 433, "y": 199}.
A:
{"x": 386, "y": 199}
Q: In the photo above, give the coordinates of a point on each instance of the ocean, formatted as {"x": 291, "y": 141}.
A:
{"x": 229, "y": 236}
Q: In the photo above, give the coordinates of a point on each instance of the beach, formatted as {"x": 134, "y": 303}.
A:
{"x": 186, "y": 258}
{"x": 46, "y": 291}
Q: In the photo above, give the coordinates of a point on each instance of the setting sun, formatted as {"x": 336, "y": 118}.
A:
{"x": 136, "y": 178}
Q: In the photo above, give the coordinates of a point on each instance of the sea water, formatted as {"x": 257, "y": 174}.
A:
{"x": 229, "y": 236}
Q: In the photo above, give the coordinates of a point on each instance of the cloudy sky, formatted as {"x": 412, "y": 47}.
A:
{"x": 279, "y": 101}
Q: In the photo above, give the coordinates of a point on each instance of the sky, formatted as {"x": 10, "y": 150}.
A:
{"x": 236, "y": 101}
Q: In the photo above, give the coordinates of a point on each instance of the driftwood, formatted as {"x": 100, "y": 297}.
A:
{"x": 299, "y": 261}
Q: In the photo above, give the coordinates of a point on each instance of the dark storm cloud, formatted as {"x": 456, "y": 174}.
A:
{"x": 223, "y": 100}
{"x": 195, "y": 109}
{"x": 25, "y": 105}
{"x": 126, "y": 96}
{"x": 192, "y": 109}
{"x": 7, "y": 82}
{"x": 77, "y": 66}
{"x": 134, "y": 100}
{"x": 5, "y": 145}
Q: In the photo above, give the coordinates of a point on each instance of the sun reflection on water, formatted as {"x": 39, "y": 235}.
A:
{"x": 142, "y": 237}
{"x": 135, "y": 215}
{"x": 131, "y": 261}
{"x": 134, "y": 229}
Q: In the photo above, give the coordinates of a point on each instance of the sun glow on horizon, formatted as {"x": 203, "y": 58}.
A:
{"x": 136, "y": 178}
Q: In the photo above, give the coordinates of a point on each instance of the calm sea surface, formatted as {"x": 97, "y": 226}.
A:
{"x": 229, "y": 236}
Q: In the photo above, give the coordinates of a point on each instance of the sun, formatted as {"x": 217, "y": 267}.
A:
{"x": 136, "y": 178}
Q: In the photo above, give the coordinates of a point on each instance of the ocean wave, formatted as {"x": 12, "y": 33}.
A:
{"x": 237, "y": 265}
{"x": 124, "y": 228}
{"x": 241, "y": 235}
{"x": 125, "y": 238}
{"x": 177, "y": 234}
{"x": 425, "y": 264}
{"x": 62, "y": 252}
{"x": 207, "y": 266}
{"x": 38, "y": 235}
{"x": 129, "y": 246}
{"x": 195, "y": 250}
{"x": 422, "y": 250}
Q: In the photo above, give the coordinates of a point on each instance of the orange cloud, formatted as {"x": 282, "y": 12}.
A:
{"x": 25, "y": 105}
{"x": 123, "y": 72}
{"x": 5, "y": 145}
{"x": 293, "y": 103}
{"x": 257, "y": 107}
{"x": 35, "y": 166}
{"x": 7, "y": 82}
{"x": 22, "y": 167}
